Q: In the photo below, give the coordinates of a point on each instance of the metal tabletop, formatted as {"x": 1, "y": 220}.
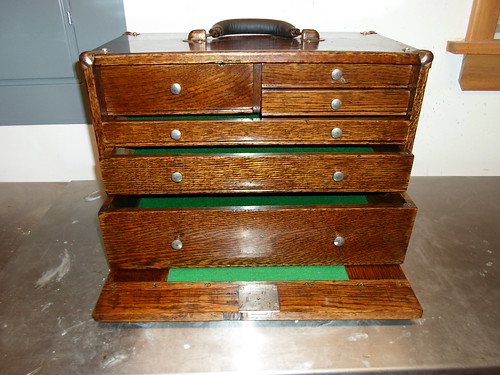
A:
{"x": 54, "y": 265}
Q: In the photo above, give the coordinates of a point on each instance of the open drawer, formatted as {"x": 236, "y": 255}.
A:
{"x": 256, "y": 169}
{"x": 256, "y": 230}
{"x": 357, "y": 292}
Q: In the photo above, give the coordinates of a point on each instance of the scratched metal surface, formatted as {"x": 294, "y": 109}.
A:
{"x": 50, "y": 284}
{"x": 20, "y": 210}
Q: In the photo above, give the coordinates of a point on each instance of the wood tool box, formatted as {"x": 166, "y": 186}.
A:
{"x": 256, "y": 176}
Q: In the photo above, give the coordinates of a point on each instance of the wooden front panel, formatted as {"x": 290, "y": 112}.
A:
{"x": 205, "y": 88}
{"x": 259, "y": 131}
{"x": 152, "y": 174}
{"x": 252, "y": 236}
{"x": 318, "y": 102}
{"x": 207, "y": 301}
{"x": 320, "y": 75}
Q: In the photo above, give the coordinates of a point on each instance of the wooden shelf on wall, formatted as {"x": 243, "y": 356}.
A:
{"x": 490, "y": 47}
{"x": 481, "y": 63}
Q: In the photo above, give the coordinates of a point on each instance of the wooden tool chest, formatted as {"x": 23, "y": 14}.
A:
{"x": 256, "y": 176}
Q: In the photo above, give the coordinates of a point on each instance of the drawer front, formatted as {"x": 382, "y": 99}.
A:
{"x": 258, "y": 131}
{"x": 335, "y": 102}
{"x": 202, "y": 88}
{"x": 257, "y": 235}
{"x": 258, "y": 172}
{"x": 335, "y": 75}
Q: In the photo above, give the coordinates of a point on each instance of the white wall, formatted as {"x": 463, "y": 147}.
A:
{"x": 457, "y": 134}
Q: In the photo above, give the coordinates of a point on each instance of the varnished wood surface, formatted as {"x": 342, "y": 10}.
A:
{"x": 416, "y": 99}
{"x": 318, "y": 102}
{"x": 483, "y": 20}
{"x": 378, "y": 298}
{"x": 384, "y": 130}
{"x": 320, "y": 75}
{"x": 152, "y": 174}
{"x": 375, "y": 272}
{"x": 481, "y": 72}
{"x": 253, "y": 236}
{"x": 487, "y": 47}
{"x": 204, "y": 88}
{"x": 289, "y": 83}
{"x": 334, "y": 47}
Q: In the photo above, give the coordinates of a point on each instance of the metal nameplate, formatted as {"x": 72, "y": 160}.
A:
{"x": 258, "y": 300}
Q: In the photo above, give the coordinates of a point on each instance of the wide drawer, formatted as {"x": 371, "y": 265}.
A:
{"x": 162, "y": 131}
{"x": 200, "y": 88}
{"x": 256, "y": 169}
{"x": 208, "y": 231}
{"x": 335, "y": 102}
{"x": 335, "y": 75}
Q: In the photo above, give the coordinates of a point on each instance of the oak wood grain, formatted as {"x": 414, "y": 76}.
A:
{"x": 205, "y": 88}
{"x": 294, "y": 75}
{"x": 375, "y": 272}
{"x": 289, "y": 83}
{"x": 257, "y": 235}
{"x": 318, "y": 102}
{"x": 188, "y": 301}
{"x": 255, "y": 131}
{"x": 152, "y": 174}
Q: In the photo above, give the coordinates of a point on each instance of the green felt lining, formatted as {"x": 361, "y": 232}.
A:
{"x": 258, "y": 273}
{"x": 250, "y": 200}
{"x": 260, "y": 149}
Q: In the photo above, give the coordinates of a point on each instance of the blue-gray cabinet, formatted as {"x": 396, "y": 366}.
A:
{"x": 40, "y": 41}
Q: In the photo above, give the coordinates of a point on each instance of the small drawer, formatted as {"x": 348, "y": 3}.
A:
{"x": 335, "y": 75}
{"x": 177, "y": 131}
{"x": 335, "y": 102}
{"x": 256, "y": 230}
{"x": 165, "y": 89}
{"x": 256, "y": 169}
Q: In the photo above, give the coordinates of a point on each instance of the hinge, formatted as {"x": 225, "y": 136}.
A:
{"x": 70, "y": 18}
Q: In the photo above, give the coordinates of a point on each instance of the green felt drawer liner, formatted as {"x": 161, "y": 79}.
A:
{"x": 251, "y": 200}
{"x": 258, "y": 273}
{"x": 253, "y": 150}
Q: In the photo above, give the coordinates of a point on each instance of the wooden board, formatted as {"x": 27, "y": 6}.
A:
{"x": 373, "y": 292}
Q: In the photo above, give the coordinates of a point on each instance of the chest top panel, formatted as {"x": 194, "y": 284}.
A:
{"x": 333, "y": 47}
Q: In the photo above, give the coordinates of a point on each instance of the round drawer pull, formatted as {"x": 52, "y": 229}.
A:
{"x": 336, "y": 132}
{"x": 176, "y": 244}
{"x": 175, "y": 88}
{"x": 175, "y": 134}
{"x": 336, "y": 104}
{"x": 338, "y": 176}
{"x": 339, "y": 241}
{"x": 337, "y": 74}
{"x": 177, "y": 176}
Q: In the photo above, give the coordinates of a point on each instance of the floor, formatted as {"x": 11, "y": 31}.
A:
{"x": 52, "y": 266}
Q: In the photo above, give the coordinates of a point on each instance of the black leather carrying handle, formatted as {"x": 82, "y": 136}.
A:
{"x": 254, "y": 26}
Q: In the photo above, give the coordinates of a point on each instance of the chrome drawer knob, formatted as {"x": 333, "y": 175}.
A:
{"x": 336, "y": 103}
{"x": 339, "y": 241}
{"x": 338, "y": 176}
{"x": 176, "y": 244}
{"x": 175, "y": 88}
{"x": 336, "y": 132}
{"x": 175, "y": 134}
{"x": 177, "y": 176}
{"x": 337, "y": 74}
